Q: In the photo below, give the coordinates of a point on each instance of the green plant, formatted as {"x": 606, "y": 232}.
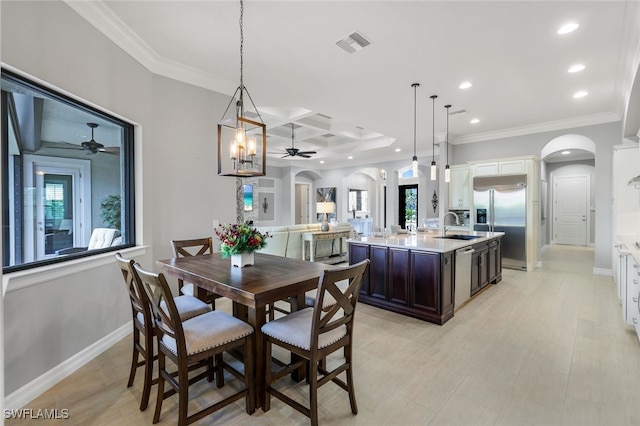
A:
{"x": 240, "y": 238}
{"x": 110, "y": 211}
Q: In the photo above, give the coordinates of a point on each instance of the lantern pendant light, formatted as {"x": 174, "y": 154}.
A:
{"x": 414, "y": 160}
{"x": 434, "y": 169}
{"x": 246, "y": 152}
{"x": 447, "y": 170}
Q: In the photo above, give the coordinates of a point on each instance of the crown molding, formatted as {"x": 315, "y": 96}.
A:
{"x": 588, "y": 120}
{"x": 98, "y": 14}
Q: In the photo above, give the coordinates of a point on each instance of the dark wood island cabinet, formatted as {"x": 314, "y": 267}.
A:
{"x": 420, "y": 282}
{"x": 410, "y": 282}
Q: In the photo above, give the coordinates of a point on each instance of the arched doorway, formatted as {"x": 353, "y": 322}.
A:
{"x": 568, "y": 175}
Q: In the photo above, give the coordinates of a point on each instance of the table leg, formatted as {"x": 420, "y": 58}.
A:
{"x": 257, "y": 318}
{"x": 312, "y": 254}
{"x": 304, "y": 250}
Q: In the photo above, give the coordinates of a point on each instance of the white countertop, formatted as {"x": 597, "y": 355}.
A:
{"x": 428, "y": 241}
{"x": 630, "y": 242}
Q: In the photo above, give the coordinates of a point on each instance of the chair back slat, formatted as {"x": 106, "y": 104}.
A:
{"x": 132, "y": 283}
{"x": 346, "y": 300}
{"x": 193, "y": 247}
{"x": 167, "y": 318}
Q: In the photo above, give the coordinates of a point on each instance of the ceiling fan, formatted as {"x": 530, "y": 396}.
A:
{"x": 295, "y": 152}
{"x": 94, "y": 147}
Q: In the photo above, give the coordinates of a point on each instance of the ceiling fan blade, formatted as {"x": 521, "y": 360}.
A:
{"x": 306, "y": 152}
{"x": 303, "y": 155}
{"x": 287, "y": 155}
{"x": 110, "y": 150}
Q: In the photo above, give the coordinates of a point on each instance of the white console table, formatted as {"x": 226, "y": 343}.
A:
{"x": 362, "y": 226}
{"x": 312, "y": 237}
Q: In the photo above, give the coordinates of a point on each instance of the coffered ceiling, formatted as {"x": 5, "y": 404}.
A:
{"x": 360, "y": 104}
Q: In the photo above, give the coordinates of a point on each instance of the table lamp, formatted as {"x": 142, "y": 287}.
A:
{"x": 325, "y": 207}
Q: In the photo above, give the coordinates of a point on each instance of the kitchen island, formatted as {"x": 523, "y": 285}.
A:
{"x": 415, "y": 274}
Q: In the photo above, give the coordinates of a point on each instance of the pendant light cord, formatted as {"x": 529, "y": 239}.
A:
{"x": 415, "y": 116}
{"x": 433, "y": 134}
{"x": 447, "y": 137}
{"x": 241, "y": 44}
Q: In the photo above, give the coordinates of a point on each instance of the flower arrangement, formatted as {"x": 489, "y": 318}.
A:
{"x": 240, "y": 238}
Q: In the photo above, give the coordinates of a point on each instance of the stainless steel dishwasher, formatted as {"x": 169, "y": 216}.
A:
{"x": 463, "y": 276}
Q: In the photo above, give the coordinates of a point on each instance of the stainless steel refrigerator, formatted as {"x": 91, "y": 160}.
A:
{"x": 500, "y": 205}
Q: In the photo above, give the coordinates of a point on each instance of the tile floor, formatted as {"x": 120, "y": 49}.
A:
{"x": 547, "y": 347}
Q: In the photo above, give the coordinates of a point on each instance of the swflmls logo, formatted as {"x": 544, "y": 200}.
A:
{"x": 41, "y": 413}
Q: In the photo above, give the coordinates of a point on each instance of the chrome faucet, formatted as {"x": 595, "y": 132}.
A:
{"x": 443, "y": 230}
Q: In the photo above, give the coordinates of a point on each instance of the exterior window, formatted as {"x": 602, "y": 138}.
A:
{"x": 67, "y": 175}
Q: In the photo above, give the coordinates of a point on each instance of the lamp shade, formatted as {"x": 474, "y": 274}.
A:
{"x": 325, "y": 207}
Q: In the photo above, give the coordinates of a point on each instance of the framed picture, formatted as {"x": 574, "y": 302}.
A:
{"x": 327, "y": 194}
{"x": 247, "y": 196}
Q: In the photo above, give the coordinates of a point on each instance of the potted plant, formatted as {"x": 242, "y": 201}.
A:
{"x": 110, "y": 211}
{"x": 239, "y": 241}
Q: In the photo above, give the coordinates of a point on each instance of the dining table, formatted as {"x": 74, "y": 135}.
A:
{"x": 251, "y": 289}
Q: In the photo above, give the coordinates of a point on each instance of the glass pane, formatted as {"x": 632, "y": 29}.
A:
{"x": 68, "y": 176}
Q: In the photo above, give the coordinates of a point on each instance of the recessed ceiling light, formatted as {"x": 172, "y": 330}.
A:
{"x": 465, "y": 85}
{"x": 474, "y": 121}
{"x": 321, "y": 161}
{"x": 568, "y": 27}
{"x": 566, "y": 152}
{"x": 350, "y": 157}
{"x": 398, "y": 150}
{"x": 576, "y": 68}
{"x": 580, "y": 94}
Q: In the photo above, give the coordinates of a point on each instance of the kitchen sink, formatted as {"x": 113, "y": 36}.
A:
{"x": 460, "y": 237}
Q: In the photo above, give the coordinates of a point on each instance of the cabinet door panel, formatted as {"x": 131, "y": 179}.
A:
{"x": 426, "y": 281}
{"x": 378, "y": 272}
{"x": 358, "y": 253}
{"x": 399, "y": 276}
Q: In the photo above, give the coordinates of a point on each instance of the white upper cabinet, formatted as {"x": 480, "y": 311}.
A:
{"x": 460, "y": 188}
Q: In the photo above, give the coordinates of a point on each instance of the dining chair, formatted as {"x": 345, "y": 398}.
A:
{"x": 312, "y": 334}
{"x": 196, "y": 342}
{"x": 194, "y": 247}
{"x": 143, "y": 324}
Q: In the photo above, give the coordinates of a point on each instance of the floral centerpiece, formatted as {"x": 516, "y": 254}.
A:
{"x": 239, "y": 239}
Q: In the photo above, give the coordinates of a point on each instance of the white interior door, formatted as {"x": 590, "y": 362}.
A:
{"x": 570, "y": 213}
{"x": 302, "y": 203}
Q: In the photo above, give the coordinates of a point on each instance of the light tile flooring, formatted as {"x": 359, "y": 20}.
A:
{"x": 547, "y": 347}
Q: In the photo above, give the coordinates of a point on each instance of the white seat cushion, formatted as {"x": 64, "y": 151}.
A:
{"x": 209, "y": 331}
{"x": 329, "y": 300}
{"x": 187, "y": 306}
{"x": 295, "y": 329}
{"x": 187, "y": 289}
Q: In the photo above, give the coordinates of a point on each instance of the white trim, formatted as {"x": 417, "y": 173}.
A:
{"x": 98, "y": 14}
{"x": 37, "y": 386}
{"x": 588, "y": 120}
{"x": 34, "y": 276}
{"x": 603, "y": 271}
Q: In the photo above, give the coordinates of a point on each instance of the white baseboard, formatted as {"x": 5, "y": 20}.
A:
{"x": 33, "y": 389}
{"x": 602, "y": 271}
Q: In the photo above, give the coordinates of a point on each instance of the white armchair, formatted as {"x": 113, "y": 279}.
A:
{"x": 100, "y": 238}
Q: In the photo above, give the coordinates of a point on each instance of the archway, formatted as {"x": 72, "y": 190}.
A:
{"x": 567, "y": 191}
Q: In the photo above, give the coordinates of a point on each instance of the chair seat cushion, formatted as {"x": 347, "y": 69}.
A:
{"x": 329, "y": 300}
{"x": 208, "y": 331}
{"x": 188, "y": 307}
{"x": 295, "y": 329}
{"x": 187, "y": 289}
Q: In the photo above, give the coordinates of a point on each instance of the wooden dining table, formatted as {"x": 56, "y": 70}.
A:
{"x": 251, "y": 288}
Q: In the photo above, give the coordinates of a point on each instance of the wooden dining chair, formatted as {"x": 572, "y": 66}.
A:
{"x": 143, "y": 324}
{"x": 312, "y": 334}
{"x": 196, "y": 341}
{"x": 194, "y": 247}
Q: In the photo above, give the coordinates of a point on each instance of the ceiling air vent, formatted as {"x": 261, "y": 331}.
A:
{"x": 353, "y": 42}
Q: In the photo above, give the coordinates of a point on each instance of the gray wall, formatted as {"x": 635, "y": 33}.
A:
{"x": 603, "y": 135}
{"x": 178, "y": 196}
